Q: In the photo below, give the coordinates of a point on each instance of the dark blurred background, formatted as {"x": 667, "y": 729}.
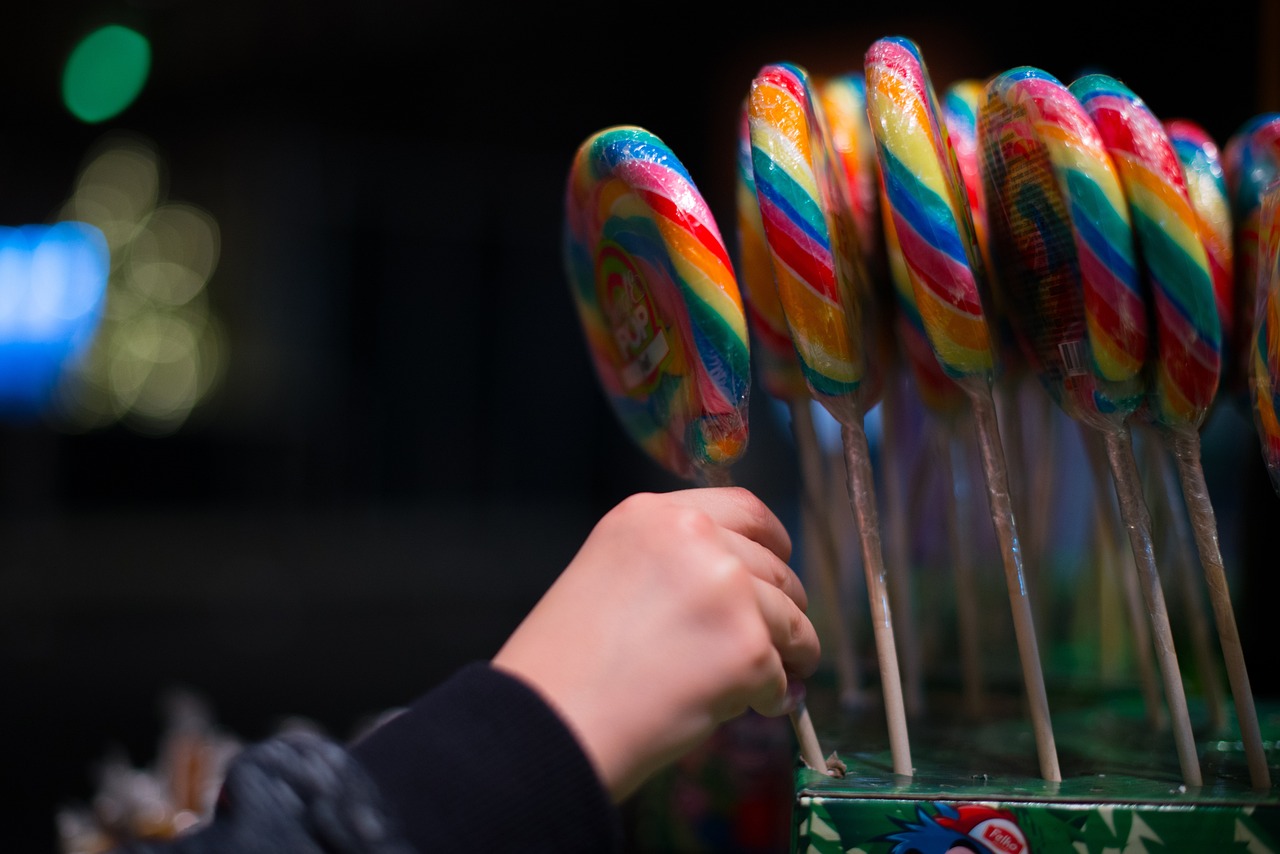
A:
{"x": 397, "y": 440}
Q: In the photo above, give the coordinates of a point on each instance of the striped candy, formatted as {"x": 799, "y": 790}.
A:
{"x": 776, "y": 361}
{"x": 1207, "y": 186}
{"x": 658, "y": 300}
{"x": 809, "y": 231}
{"x": 930, "y": 213}
{"x": 939, "y": 393}
{"x": 1062, "y": 239}
{"x": 1188, "y": 351}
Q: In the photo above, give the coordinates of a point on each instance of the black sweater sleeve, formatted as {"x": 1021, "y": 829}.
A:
{"x": 480, "y": 763}
{"x": 483, "y": 763}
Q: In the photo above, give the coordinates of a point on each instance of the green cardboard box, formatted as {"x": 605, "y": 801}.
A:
{"x": 977, "y": 788}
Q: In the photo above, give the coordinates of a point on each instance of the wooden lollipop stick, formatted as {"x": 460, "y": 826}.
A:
{"x": 1206, "y": 663}
{"x": 997, "y": 477}
{"x": 812, "y": 475}
{"x": 801, "y": 722}
{"x": 1185, "y": 446}
{"x": 810, "y": 749}
{"x": 1124, "y": 473}
{"x": 1095, "y": 452}
{"x": 862, "y": 497}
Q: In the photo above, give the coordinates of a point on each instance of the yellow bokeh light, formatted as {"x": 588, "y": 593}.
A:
{"x": 159, "y": 351}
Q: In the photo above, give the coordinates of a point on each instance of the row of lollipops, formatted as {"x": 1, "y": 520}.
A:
{"x": 1018, "y": 226}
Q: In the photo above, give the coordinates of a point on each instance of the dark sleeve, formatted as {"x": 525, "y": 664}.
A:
{"x": 482, "y": 763}
{"x": 296, "y": 793}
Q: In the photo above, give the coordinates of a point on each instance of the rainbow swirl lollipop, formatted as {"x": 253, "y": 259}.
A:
{"x": 934, "y": 229}
{"x": 1264, "y": 376}
{"x": 808, "y": 226}
{"x": 1173, "y": 246}
{"x": 1251, "y": 161}
{"x": 1062, "y": 235}
{"x": 1062, "y": 238}
{"x": 776, "y": 361}
{"x": 1188, "y": 333}
{"x": 1206, "y": 183}
{"x": 664, "y": 320}
{"x": 1171, "y": 243}
{"x": 657, "y": 297}
{"x": 779, "y": 371}
{"x": 930, "y": 212}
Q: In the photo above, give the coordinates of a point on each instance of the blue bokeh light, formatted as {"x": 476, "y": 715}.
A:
{"x": 53, "y": 285}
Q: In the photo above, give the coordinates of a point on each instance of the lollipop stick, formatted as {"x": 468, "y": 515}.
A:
{"x": 956, "y": 469}
{"x": 1194, "y": 602}
{"x": 1133, "y": 509}
{"x": 997, "y": 477}
{"x": 1185, "y": 446}
{"x": 1096, "y": 453}
{"x": 812, "y": 477}
{"x": 801, "y": 722}
{"x": 862, "y": 497}
{"x": 899, "y": 549}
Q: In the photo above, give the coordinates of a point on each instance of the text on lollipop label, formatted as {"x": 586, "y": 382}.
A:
{"x": 628, "y": 308}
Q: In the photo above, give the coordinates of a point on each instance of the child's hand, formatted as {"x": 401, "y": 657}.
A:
{"x": 678, "y": 613}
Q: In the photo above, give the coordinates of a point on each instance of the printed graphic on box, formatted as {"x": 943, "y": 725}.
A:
{"x": 881, "y": 826}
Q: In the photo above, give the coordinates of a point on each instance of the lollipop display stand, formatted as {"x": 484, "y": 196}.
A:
{"x": 977, "y": 784}
{"x": 1031, "y": 230}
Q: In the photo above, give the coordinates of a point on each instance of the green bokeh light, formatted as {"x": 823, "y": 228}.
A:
{"x": 105, "y": 72}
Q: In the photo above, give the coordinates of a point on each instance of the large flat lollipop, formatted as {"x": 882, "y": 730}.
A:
{"x": 779, "y": 371}
{"x": 934, "y": 227}
{"x": 1063, "y": 238}
{"x": 663, "y": 317}
{"x": 813, "y": 242}
{"x": 1188, "y": 341}
{"x": 659, "y": 303}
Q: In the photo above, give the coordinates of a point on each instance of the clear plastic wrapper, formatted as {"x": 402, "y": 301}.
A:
{"x": 658, "y": 301}
{"x": 1187, "y": 353}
